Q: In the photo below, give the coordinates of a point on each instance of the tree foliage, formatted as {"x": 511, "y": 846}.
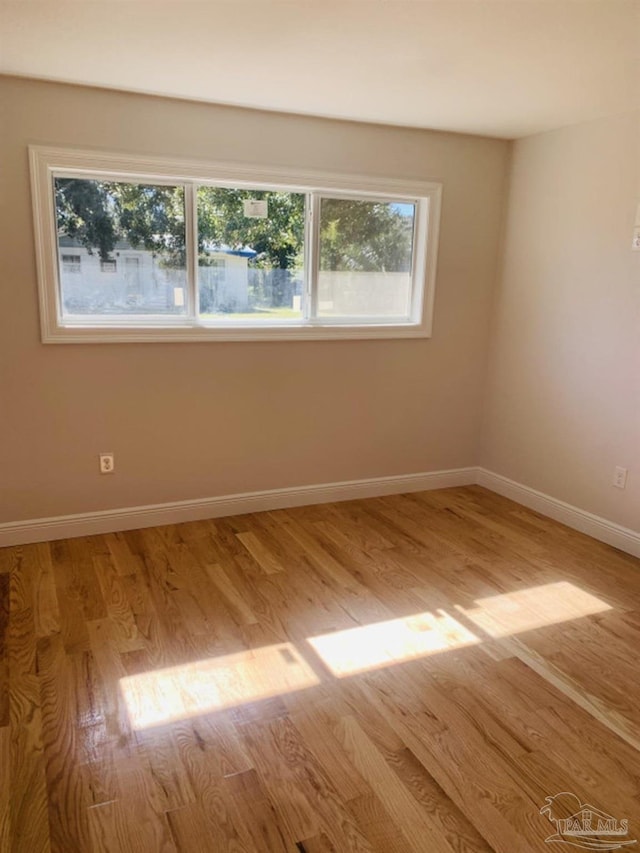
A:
{"x": 364, "y": 236}
{"x": 355, "y": 235}
{"x": 278, "y": 239}
{"x": 101, "y": 214}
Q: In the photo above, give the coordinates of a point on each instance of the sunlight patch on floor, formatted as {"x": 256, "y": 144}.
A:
{"x": 535, "y": 607}
{"x": 165, "y": 695}
{"x": 385, "y": 643}
{"x": 175, "y": 693}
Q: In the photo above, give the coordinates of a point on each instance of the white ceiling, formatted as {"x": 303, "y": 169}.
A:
{"x": 498, "y": 67}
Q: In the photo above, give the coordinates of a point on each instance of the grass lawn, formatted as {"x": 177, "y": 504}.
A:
{"x": 257, "y": 314}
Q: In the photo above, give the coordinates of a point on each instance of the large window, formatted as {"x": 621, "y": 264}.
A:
{"x": 132, "y": 249}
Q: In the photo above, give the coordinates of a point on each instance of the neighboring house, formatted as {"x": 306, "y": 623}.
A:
{"x": 224, "y": 279}
{"x": 136, "y": 280}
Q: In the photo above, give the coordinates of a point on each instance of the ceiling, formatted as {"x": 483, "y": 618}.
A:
{"x": 504, "y": 68}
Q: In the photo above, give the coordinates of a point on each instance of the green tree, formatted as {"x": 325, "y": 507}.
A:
{"x": 365, "y": 236}
{"x": 356, "y": 235}
{"x": 278, "y": 238}
{"x": 100, "y": 214}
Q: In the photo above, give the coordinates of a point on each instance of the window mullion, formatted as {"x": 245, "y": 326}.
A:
{"x": 308, "y": 256}
{"x": 313, "y": 244}
{"x": 191, "y": 228}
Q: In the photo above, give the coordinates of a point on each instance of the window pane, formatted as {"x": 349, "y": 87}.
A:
{"x": 250, "y": 254}
{"x": 366, "y": 250}
{"x": 121, "y": 247}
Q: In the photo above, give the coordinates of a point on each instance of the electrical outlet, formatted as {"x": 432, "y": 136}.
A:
{"x": 619, "y": 477}
{"x": 107, "y": 463}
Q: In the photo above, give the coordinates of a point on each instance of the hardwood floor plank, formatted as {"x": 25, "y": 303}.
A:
{"x": 460, "y": 833}
{"x": 219, "y": 821}
{"x": 278, "y": 778}
{"x": 28, "y": 803}
{"x": 5, "y": 585}
{"x": 382, "y": 833}
{"x": 125, "y": 632}
{"x": 319, "y": 844}
{"x": 126, "y": 561}
{"x": 46, "y": 612}
{"x": 158, "y": 754}
{"x": 212, "y": 746}
{"x": 482, "y": 791}
{"x": 78, "y": 593}
{"x": 260, "y": 552}
{"x": 232, "y": 594}
{"x": 410, "y": 819}
{"x": 317, "y": 733}
{"x": 190, "y": 831}
{"x": 119, "y": 826}
{"x": 332, "y": 571}
{"x": 67, "y": 802}
{"x": 291, "y": 758}
{"x": 607, "y": 715}
{"x": 258, "y": 813}
{"x": 5, "y": 788}
{"x": 111, "y": 669}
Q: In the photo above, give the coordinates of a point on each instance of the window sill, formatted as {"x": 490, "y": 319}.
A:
{"x": 104, "y": 334}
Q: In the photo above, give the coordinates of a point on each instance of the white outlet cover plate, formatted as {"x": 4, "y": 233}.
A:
{"x": 107, "y": 463}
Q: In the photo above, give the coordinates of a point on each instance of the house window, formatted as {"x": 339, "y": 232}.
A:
{"x": 213, "y": 253}
{"x": 70, "y": 263}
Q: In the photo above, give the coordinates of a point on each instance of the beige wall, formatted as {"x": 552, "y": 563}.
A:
{"x": 200, "y": 420}
{"x": 563, "y": 401}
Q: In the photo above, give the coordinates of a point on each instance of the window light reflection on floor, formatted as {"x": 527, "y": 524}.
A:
{"x": 535, "y": 607}
{"x": 165, "y": 695}
{"x": 384, "y": 643}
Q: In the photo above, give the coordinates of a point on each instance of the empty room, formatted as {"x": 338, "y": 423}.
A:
{"x": 319, "y": 426}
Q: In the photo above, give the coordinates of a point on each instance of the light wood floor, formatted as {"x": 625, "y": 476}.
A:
{"x": 409, "y": 673}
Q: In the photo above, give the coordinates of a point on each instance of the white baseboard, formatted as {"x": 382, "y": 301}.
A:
{"x": 129, "y": 518}
{"x": 593, "y": 525}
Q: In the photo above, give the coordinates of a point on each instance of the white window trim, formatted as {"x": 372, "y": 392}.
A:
{"x": 46, "y": 161}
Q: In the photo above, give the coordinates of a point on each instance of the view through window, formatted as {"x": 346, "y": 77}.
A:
{"x": 128, "y": 241}
{"x": 250, "y": 256}
{"x": 366, "y": 253}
